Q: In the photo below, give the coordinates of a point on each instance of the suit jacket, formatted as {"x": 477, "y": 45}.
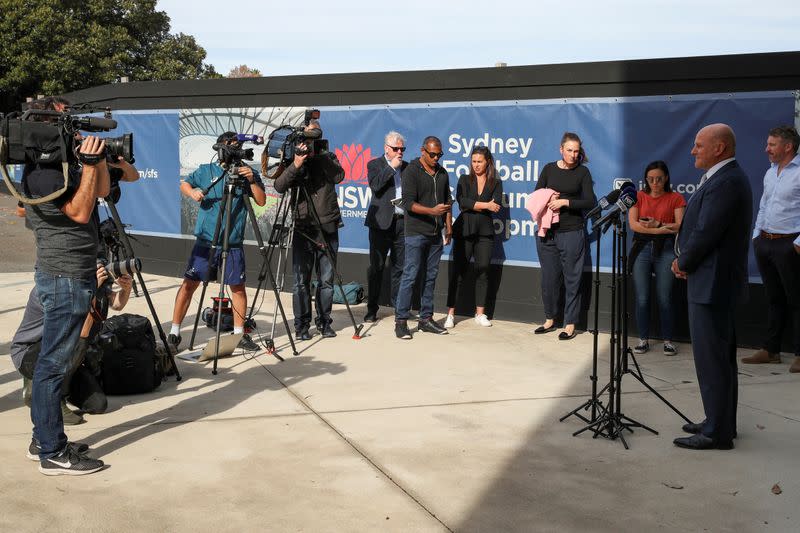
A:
{"x": 470, "y": 223}
{"x": 380, "y": 176}
{"x": 714, "y": 238}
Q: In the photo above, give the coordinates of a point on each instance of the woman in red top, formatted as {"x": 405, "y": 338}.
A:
{"x": 655, "y": 219}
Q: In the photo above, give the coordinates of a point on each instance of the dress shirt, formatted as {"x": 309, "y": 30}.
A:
{"x": 779, "y": 209}
{"x": 713, "y": 170}
{"x": 398, "y": 190}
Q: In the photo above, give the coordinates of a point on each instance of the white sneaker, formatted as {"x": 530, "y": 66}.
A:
{"x": 450, "y": 322}
{"x": 483, "y": 320}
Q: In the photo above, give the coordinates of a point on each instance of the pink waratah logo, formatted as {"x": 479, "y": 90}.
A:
{"x": 354, "y": 159}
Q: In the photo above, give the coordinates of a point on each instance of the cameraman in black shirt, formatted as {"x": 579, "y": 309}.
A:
{"x": 317, "y": 174}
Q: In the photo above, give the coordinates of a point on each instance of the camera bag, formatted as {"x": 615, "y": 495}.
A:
{"x": 130, "y": 364}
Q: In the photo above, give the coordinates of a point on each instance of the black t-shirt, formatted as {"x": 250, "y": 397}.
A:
{"x": 575, "y": 185}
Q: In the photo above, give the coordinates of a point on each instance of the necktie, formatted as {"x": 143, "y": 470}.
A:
{"x": 703, "y": 179}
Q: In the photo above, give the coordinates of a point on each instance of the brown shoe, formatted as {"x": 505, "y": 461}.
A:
{"x": 795, "y": 368}
{"x": 762, "y": 356}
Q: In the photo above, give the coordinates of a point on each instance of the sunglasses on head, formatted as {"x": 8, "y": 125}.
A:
{"x": 435, "y": 155}
{"x": 400, "y": 149}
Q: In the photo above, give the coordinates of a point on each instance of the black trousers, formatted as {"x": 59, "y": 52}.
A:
{"x": 779, "y": 265}
{"x": 561, "y": 254}
{"x": 714, "y": 347}
{"x": 464, "y": 249}
{"x": 382, "y": 242}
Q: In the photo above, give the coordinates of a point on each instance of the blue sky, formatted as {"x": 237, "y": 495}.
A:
{"x": 314, "y": 36}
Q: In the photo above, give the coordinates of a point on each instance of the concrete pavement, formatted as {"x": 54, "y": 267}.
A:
{"x": 449, "y": 433}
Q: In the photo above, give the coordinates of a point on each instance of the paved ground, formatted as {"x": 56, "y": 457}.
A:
{"x": 17, "y": 249}
{"x": 455, "y": 433}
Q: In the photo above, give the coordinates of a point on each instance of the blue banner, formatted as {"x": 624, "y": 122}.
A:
{"x": 152, "y": 204}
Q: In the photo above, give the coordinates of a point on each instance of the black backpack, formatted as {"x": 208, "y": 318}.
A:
{"x": 130, "y": 362}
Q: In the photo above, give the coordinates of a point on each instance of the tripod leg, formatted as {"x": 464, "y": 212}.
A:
{"x": 268, "y": 268}
{"x": 129, "y": 252}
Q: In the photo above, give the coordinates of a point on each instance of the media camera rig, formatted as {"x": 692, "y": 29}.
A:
{"x": 39, "y": 136}
{"x": 287, "y": 141}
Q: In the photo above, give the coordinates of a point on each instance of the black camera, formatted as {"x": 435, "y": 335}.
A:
{"x": 42, "y": 136}
{"x": 231, "y": 155}
{"x": 124, "y": 267}
{"x": 287, "y": 141}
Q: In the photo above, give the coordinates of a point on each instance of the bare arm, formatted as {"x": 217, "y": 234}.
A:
{"x": 94, "y": 184}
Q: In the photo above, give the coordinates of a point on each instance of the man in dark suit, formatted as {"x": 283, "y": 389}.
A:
{"x": 385, "y": 220}
{"x": 711, "y": 251}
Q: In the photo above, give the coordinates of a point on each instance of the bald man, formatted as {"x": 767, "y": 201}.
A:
{"x": 711, "y": 250}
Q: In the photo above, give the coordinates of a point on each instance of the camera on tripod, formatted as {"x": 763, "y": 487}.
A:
{"x": 287, "y": 141}
{"x": 43, "y": 136}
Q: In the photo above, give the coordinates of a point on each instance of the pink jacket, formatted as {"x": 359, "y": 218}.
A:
{"x": 536, "y": 204}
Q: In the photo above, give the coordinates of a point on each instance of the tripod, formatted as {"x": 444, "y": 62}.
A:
{"x": 612, "y": 423}
{"x": 234, "y": 186}
{"x": 281, "y": 239}
{"x": 128, "y": 252}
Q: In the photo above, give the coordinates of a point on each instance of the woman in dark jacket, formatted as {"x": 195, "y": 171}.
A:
{"x": 561, "y": 250}
{"x": 479, "y": 195}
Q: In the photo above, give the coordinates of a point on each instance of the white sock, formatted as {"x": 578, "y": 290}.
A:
{"x": 176, "y": 329}
{"x": 236, "y": 330}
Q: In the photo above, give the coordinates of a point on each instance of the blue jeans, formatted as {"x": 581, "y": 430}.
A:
{"x": 65, "y": 302}
{"x": 646, "y": 263}
{"x": 420, "y": 250}
{"x": 305, "y": 254}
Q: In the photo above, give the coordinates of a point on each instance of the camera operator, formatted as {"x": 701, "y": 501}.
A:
{"x": 317, "y": 174}
{"x": 198, "y": 267}
{"x": 66, "y": 245}
{"x": 81, "y": 386}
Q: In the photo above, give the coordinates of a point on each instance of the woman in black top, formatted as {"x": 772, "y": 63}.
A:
{"x": 479, "y": 194}
{"x": 561, "y": 250}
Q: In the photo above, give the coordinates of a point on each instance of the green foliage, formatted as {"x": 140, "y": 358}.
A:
{"x": 56, "y": 46}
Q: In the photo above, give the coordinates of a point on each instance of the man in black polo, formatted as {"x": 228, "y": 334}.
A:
{"x": 385, "y": 220}
{"x": 428, "y": 226}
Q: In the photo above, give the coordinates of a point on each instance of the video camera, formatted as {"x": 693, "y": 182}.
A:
{"x": 287, "y": 141}
{"x": 43, "y": 136}
{"x": 230, "y": 155}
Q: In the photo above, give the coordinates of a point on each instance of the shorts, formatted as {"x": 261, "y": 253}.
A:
{"x": 198, "y": 265}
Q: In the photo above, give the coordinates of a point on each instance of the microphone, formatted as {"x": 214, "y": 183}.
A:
{"x": 249, "y": 137}
{"x": 603, "y": 204}
{"x": 99, "y": 123}
{"x": 626, "y": 201}
{"x": 626, "y": 186}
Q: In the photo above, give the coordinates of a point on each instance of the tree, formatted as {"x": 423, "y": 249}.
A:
{"x": 243, "y": 71}
{"x": 56, "y": 46}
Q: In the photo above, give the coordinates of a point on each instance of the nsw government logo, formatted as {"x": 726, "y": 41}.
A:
{"x": 354, "y": 159}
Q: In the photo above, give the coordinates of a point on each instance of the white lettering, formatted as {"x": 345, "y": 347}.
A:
{"x": 498, "y": 145}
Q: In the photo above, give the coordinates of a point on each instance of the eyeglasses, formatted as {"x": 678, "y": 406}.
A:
{"x": 400, "y": 149}
{"x": 435, "y": 155}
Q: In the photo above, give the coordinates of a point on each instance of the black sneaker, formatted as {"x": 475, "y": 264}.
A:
{"x": 174, "y": 341}
{"x": 370, "y": 317}
{"x": 69, "y": 463}
{"x": 669, "y": 349}
{"x": 302, "y": 334}
{"x": 247, "y": 344}
{"x": 34, "y": 448}
{"x": 327, "y": 332}
{"x": 431, "y": 327}
{"x": 401, "y": 330}
{"x": 642, "y": 347}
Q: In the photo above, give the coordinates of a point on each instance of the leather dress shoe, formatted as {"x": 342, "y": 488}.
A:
{"x": 371, "y": 316}
{"x": 564, "y": 336}
{"x": 542, "y": 329}
{"x": 693, "y": 428}
{"x": 701, "y": 442}
{"x": 430, "y": 326}
{"x": 762, "y": 356}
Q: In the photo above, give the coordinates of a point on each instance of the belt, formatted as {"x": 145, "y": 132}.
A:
{"x": 772, "y": 236}
{"x": 396, "y": 216}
